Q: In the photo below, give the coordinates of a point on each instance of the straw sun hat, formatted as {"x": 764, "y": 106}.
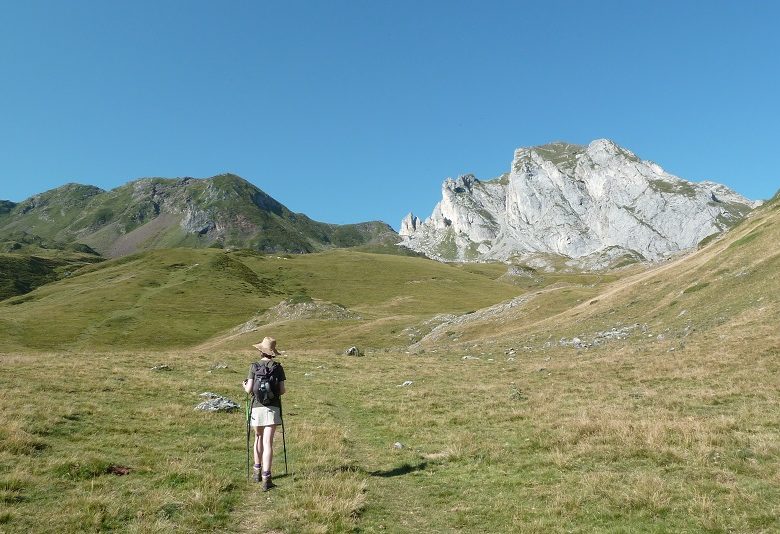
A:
{"x": 267, "y": 347}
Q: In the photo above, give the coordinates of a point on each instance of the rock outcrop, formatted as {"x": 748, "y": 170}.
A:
{"x": 591, "y": 207}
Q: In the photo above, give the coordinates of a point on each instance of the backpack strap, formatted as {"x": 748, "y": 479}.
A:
{"x": 254, "y": 367}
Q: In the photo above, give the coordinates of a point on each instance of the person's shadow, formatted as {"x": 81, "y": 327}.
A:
{"x": 401, "y": 470}
{"x": 404, "y": 469}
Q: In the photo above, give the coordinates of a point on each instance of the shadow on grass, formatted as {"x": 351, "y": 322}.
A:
{"x": 404, "y": 469}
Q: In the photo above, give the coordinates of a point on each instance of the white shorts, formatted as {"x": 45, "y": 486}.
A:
{"x": 266, "y": 416}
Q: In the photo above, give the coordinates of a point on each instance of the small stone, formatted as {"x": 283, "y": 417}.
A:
{"x": 406, "y": 383}
{"x": 467, "y": 357}
{"x": 398, "y": 445}
{"x": 162, "y": 367}
{"x": 219, "y": 366}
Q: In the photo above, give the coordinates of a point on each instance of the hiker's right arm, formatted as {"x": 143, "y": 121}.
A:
{"x": 248, "y": 382}
{"x": 282, "y": 389}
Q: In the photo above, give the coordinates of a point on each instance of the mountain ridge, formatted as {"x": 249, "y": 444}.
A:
{"x": 589, "y": 206}
{"x": 221, "y": 211}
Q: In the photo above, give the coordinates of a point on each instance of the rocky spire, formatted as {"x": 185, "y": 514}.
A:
{"x": 409, "y": 225}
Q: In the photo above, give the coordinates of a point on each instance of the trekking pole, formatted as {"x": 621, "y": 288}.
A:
{"x": 248, "y": 411}
{"x": 284, "y": 441}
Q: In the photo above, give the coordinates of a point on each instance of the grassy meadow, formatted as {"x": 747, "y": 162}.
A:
{"x": 638, "y": 440}
{"x": 507, "y": 425}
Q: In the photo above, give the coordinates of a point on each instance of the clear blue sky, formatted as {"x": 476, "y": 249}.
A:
{"x": 351, "y": 110}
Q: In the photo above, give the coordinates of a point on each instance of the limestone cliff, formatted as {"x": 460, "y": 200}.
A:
{"x": 593, "y": 206}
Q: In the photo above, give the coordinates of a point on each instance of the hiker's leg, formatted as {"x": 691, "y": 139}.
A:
{"x": 268, "y": 447}
{"x": 258, "y": 445}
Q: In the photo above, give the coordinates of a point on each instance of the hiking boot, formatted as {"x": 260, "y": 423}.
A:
{"x": 267, "y": 484}
{"x": 256, "y": 476}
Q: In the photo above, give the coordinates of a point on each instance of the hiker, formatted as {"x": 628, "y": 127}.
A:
{"x": 266, "y": 408}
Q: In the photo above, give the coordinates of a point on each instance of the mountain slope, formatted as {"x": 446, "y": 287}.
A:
{"x": 731, "y": 287}
{"x": 152, "y": 213}
{"x": 599, "y": 204}
{"x": 28, "y": 261}
{"x": 5, "y": 207}
{"x": 21, "y": 273}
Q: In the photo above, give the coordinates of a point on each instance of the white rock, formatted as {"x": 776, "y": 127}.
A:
{"x": 409, "y": 225}
{"x": 595, "y": 206}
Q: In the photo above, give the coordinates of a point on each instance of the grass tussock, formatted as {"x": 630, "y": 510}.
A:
{"x": 14, "y": 439}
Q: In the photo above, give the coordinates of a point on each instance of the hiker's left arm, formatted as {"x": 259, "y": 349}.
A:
{"x": 282, "y": 377}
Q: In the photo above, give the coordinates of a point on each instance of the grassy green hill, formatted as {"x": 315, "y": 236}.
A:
{"x": 153, "y": 213}
{"x": 5, "y": 207}
{"x": 199, "y": 293}
{"x": 21, "y": 274}
{"x": 27, "y": 262}
{"x": 660, "y": 417}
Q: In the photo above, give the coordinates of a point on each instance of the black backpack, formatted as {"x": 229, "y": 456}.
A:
{"x": 265, "y": 387}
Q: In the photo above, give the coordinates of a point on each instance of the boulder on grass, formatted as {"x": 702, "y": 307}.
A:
{"x": 353, "y": 351}
{"x": 216, "y": 403}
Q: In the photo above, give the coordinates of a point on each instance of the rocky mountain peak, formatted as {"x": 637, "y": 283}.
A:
{"x": 462, "y": 184}
{"x": 590, "y": 206}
